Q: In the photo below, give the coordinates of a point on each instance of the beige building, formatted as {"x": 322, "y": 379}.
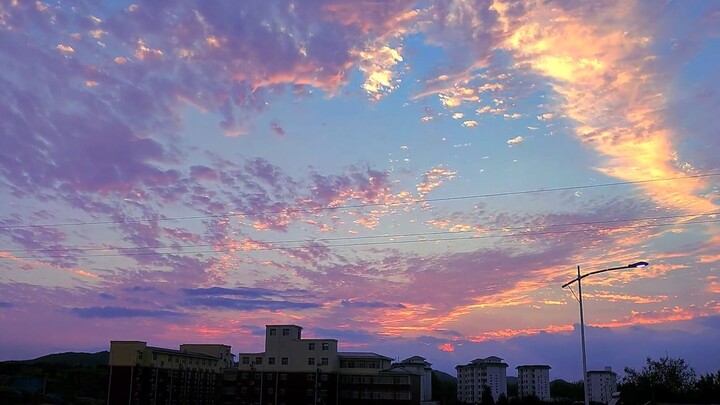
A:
{"x": 472, "y": 378}
{"x": 601, "y": 385}
{"x": 534, "y": 380}
{"x": 145, "y": 374}
{"x": 294, "y": 370}
{"x": 286, "y": 350}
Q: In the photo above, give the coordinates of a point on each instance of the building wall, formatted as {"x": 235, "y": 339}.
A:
{"x": 420, "y": 366}
{"x": 534, "y": 381}
{"x": 601, "y": 385}
{"x": 473, "y": 377}
{"x": 383, "y": 388}
{"x": 286, "y": 351}
{"x": 143, "y": 385}
{"x": 305, "y": 370}
{"x": 140, "y": 374}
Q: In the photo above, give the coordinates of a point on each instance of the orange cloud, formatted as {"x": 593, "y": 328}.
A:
{"x": 433, "y": 179}
{"x": 666, "y": 314}
{"x": 505, "y": 334}
{"x": 446, "y": 347}
{"x": 600, "y": 71}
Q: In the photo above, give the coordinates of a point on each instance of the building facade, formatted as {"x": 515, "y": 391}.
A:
{"x": 421, "y": 366}
{"x": 601, "y": 385}
{"x": 534, "y": 380}
{"x": 293, "y": 370}
{"x": 142, "y": 374}
{"x": 472, "y": 378}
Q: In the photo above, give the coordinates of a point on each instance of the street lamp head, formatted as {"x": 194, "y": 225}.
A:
{"x": 638, "y": 265}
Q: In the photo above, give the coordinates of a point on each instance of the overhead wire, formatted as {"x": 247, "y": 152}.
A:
{"x": 344, "y": 238}
{"x": 269, "y": 248}
{"x": 359, "y": 206}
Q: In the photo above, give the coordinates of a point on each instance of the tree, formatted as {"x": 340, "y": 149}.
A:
{"x": 487, "y": 398}
{"x": 708, "y": 388}
{"x": 663, "y": 380}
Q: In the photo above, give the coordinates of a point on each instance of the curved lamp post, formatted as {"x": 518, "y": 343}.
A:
{"x": 582, "y": 317}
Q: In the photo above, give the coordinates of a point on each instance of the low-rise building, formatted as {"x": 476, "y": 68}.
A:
{"x": 142, "y": 374}
{"x": 293, "y": 370}
{"x": 534, "y": 380}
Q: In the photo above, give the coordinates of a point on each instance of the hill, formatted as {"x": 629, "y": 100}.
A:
{"x": 73, "y": 359}
{"x": 444, "y": 387}
{"x": 70, "y": 378}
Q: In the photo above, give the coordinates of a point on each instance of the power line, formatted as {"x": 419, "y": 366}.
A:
{"x": 364, "y": 237}
{"x": 268, "y": 248}
{"x": 365, "y": 205}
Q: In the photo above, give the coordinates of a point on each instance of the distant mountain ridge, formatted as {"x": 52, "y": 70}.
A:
{"x": 71, "y": 359}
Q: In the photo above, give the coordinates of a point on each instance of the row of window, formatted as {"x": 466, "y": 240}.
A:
{"x": 273, "y": 332}
{"x": 283, "y": 376}
{"x": 324, "y": 361}
{"x": 376, "y": 395}
{"x": 356, "y": 379}
{"x": 324, "y": 346}
{"x": 360, "y": 364}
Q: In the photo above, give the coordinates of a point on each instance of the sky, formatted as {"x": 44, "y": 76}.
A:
{"x": 408, "y": 177}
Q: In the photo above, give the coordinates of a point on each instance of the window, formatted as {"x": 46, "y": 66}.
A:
{"x": 246, "y": 360}
{"x": 311, "y": 346}
{"x": 286, "y": 332}
{"x": 270, "y": 376}
{"x": 324, "y": 377}
{"x": 324, "y": 361}
{"x": 270, "y": 391}
{"x": 258, "y": 360}
{"x": 272, "y": 332}
{"x": 139, "y": 355}
{"x": 244, "y": 376}
{"x": 271, "y": 360}
{"x": 311, "y": 377}
{"x": 283, "y": 376}
{"x": 284, "y": 361}
{"x": 311, "y": 361}
{"x": 326, "y": 346}
{"x": 154, "y": 356}
{"x": 281, "y": 391}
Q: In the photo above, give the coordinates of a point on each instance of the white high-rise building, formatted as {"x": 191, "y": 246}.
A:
{"x": 473, "y": 377}
{"x": 601, "y": 385}
{"x": 534, "y": 380}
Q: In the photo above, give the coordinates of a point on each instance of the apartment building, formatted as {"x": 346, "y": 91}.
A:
{"x": 142, "y": 374}
{"x": 534, "y": 380}
{"x": 294, "y": 370}
{"x": 421, "y": 366}
{"x": 601, "y": 385}
{"x": 472, "y": 378}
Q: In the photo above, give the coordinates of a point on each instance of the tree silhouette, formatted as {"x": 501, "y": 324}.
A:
{"x": 663, "y": 380}
{"x": 487, "y": 398}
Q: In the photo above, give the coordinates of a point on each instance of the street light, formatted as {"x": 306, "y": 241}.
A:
{"x": 582, "y": 317}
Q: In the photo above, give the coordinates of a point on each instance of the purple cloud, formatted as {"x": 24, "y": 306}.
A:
{"x": 247, "y": 304}
{"x": 122, "y": 312}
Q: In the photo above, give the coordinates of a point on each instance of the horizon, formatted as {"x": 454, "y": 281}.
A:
{"x": 411, "y": 177}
